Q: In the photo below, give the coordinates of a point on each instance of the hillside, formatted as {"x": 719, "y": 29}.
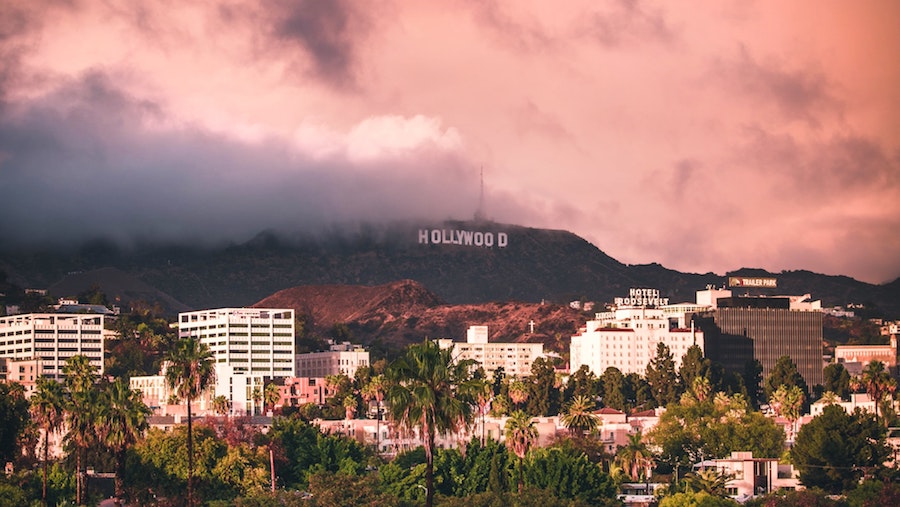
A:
{"x": 532, "y": 265}
{"x": 403, "y": 312}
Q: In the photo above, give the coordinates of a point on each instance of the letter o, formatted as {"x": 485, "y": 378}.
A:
{"x": 479, "y": 238}
{"x": 436, "y": 236}
{"x": 489, "y": 239}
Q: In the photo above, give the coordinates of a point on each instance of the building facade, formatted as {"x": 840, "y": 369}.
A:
{"x": 53, "y": 338}
{"x": 341, "y": 359}
{"x": 769, "y": 328}
{"x": 628, "y": 338}
{"x": 515, "y": 358}
{"x": 251, "y": 346}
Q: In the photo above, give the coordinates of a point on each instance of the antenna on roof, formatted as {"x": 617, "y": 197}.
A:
{"x": 479, "y": 213}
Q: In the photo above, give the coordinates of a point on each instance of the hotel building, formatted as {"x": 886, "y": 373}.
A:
{"x": 627, "y": 339}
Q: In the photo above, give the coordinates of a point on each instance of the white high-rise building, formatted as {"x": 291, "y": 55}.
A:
{"x": 53, "y": 338}
{"x": 251, "y": 347}
{"x": 627, "y": 339}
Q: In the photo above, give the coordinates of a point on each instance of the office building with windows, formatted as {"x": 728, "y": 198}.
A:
{"x": 52, "y": 338}
{"x": 251, "y": 347}
{"x": 515, "y": 358}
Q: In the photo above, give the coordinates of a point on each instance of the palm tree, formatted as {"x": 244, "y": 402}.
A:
{"x": 189, "y": 372}
{"x": 429, "y": 391}
{"x": 787, "y": 401}
{"x": 221, "y": 405}
{"x": 257, "y": 396}
{"x": 271, "y": 395}
{"x": 579, "y": 419}
{"x": 484, "y": 393}
{"x": 520, "y": 435}
{"x": 80, "y": 417}
{"x": 877, "y": 382}
{"x": 518, "y": 392}
{"x": 709, "y": 481}
{"x": 634, "y": 457}
{"x": 350, "y": 406}
{"x": 122, "y": 417}
{"x": 374, "y": 389}
{"x": 48, "y": 409}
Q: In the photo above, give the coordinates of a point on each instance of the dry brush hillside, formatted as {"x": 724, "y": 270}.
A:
{"x": 404, "y": 312}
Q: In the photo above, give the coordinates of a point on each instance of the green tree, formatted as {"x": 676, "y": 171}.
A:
{"x": 835, "y": 449}
{"x": 48, "y": 410}
{"x": 693, "y": 365}
{"x": 713, "y": 427}
{"x": 80, "y": 378}
{"x": 784, "y": 373}
{"x": 122, "y": 418}
{"x": 190, "y": 371}
{"x": 579, "y": 418}
{"x": 661, "y": 376}
{"x": 544, "y": 394}
{"x": 753, "y": 381}
{"x": 430, "y": 391}
{"x": 568, "y": 475}
{"x": 520, "y": 435}
{"x": 518, "y": 392}
{"x": 613, "y": 388}
{"x": 837, "y": 380}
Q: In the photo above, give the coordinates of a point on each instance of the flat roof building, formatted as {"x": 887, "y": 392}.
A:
{"x": 251, "y": 346}
{"x": 53, "y": 338}
{"x": 627, "y": 339}
{"x": 515, "y": 358}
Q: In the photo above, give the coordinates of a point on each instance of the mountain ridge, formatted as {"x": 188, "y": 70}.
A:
{"x": 534, "y": 265}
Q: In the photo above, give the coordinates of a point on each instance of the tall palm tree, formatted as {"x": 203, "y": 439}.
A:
{"x": 48, "y": 410}
{"x": 578, "y": 418}
{"x": 787, "y": 401}
{"x": 877, "y": 382}
{"x": 189, "y": 372}
{"x": 80, "y": 378}
{"x": 374, "y": 389}
{"x": 429, "y": 391}
{"x": 709, "y": 481}
{"x": 349, "y": 406}
{"x": 634, "y": 457}
{"x": 122, "y": 418}
{"x": 520, "y": 435}
{"x": 484, "y": 393}
{"x": 271, "y": 396}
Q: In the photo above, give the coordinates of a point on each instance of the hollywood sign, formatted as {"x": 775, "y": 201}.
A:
{"x": 642, "y": 297}
{"x": 464, "y": 238}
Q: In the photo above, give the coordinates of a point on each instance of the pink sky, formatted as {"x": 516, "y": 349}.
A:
{"x": 706, "y": 136}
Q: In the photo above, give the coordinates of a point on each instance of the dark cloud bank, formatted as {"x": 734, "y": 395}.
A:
{"x": 90, "y": 161}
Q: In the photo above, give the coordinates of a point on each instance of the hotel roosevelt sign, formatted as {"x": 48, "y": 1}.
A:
{"x": 462, "y": 237}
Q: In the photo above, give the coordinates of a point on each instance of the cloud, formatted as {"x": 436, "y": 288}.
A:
{"x": 90, "y": 160}
{"x": 325, "y": 30}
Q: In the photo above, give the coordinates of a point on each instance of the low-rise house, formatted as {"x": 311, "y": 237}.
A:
{"x": 749, "y": 476}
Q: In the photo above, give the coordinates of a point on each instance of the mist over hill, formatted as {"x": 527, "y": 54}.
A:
{"x": 459, "y": 261}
